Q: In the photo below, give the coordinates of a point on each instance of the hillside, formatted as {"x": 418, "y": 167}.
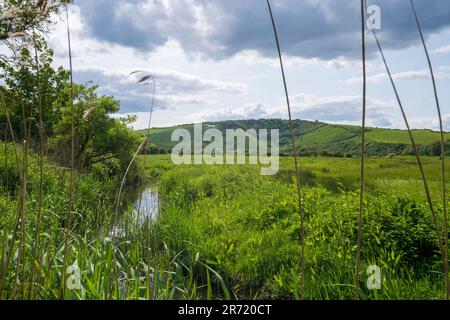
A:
{"x": 318, "y": 138}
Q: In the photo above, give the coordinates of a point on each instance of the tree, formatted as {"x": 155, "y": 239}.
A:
{"x": 19, "y": 18}
{"x": 32, "y": 87}
{"x": 102, "y": 143}
{"x": 33, "y": 91}
{"x": 152, "y": 149}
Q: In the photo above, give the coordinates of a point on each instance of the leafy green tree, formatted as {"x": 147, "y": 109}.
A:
{"x": 103, "y": 143}
{"x": 35, "y": 93}
{"x": 152, "y": 149}
{"x": 20, "y": 17}
{"x": 33, "y": 89}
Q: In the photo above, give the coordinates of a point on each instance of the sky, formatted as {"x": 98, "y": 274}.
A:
{"x": 216, "y": 59}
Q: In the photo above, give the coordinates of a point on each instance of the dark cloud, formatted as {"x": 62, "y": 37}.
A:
{"x": 218, "y": 29}
{"x": 124, "y": 22}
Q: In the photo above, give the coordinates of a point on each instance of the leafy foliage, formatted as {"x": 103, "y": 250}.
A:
{"x": 35, "y": 92}
{"x": 17, "y": 18}
{"x": 254, "y": 244}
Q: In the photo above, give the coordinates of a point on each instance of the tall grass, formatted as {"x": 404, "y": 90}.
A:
{"x": 442, "y": 141}
{"x": 142, "y": 145}
{"x": 363, "y": 144}
{"x": 139, "y": 275}
{"x": 22, "y": 223}
{"x": 255, "y": 247}
{"x": 41, "y": 171}
{"x": 294, "y": 153}
{"x": 10, "y": 249}
{"x": 414, "y": 145}
{"x": 68, "y": 221}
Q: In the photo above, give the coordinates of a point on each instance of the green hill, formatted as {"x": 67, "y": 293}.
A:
{"x": 318, "y": 138}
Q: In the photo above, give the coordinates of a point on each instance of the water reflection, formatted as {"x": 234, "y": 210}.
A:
{"x": 145, "y": 209}
{"x": 146, "y": 206}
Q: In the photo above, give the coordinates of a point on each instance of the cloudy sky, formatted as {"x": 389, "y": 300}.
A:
{"x": 216, "y": 59}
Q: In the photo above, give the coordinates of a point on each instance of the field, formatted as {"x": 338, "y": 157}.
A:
{"x": 224, "y": 232}
{"x": 320, "y": 138}
{"x": 245, "y": 228}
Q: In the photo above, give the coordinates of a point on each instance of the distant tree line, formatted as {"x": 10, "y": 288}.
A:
{"x": 374, "y": 149}
{"x": 154, "y": 149}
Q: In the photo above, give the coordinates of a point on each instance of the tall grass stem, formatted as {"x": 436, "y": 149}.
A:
{"x": 294, "y": 153}
{"x": 442, "y": 141}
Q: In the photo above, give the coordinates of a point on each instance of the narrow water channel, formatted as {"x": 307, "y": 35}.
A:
{"x": 146, "y": 208}
{"x": 147, "y": 205}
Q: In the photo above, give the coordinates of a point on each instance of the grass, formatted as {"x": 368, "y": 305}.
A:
{"x": 210, "y": 241}
{"x": 318, "y": 136}
{"x": 91, "y": 245}
{"x": 226, "y": 232}
{"x": 255, "y": 245}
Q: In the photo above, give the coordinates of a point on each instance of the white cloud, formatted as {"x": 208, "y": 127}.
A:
{"x": 444, "y": 49}
{"x": 253, "y": 57}
{"x": 332, "y": 109}
{"x": 173, "y": 88}
{"x": 442, "y": 72}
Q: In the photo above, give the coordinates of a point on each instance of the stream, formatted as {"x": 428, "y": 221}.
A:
{"x": 145, "y": 208}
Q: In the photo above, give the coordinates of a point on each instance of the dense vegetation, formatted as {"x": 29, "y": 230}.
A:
{"x": 221, "y": 231}
{"x": 36, "y": 102}
{"x": 254, "y": 246}
{"x": 63, "y": 157}
{"x": 209, "y": 241}
{"x": 320, "y": 139}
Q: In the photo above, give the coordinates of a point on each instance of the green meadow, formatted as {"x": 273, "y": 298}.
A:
{"x": 318, "y": 138}
{"x": 224, "y": 232}
{"x": 245, "y": 228}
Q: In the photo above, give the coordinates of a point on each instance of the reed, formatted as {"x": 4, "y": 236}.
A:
{"x": 147, "y": 251}
{"x": 442, "y": 141}
{"x": 362, "y": 160}
{"x": 22, "y": 211}
{"x": 294, "y": 154}
{"x": 68, "y": 222}
{"x": 17, "y": 219}
{"x": 414, "y": 145}
{"x": 140, "y": 148}
{"x": 36, "y": 251}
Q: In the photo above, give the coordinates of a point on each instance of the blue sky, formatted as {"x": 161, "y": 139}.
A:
{"x": 216, "y": 59}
